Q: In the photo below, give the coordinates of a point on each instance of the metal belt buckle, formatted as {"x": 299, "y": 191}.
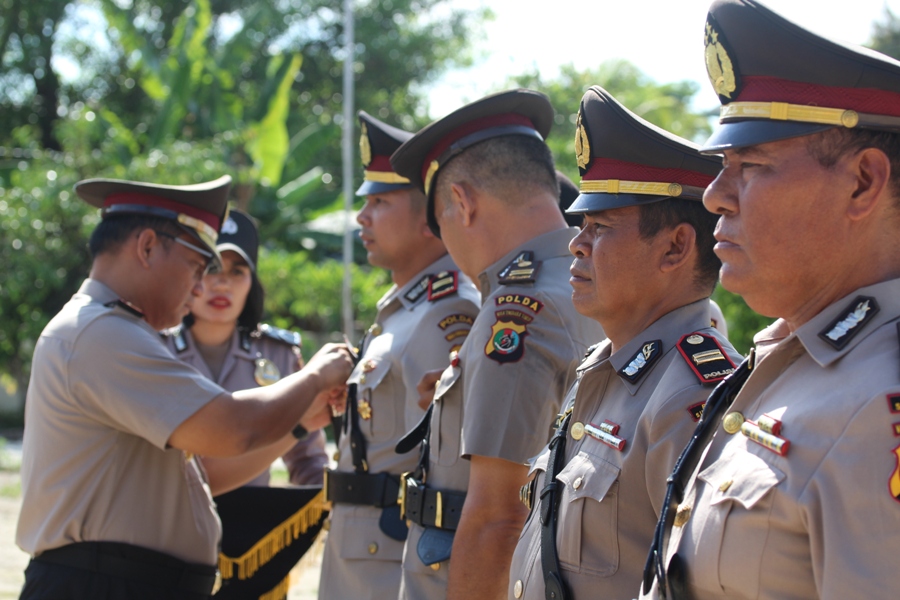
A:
{"x": 401, "y": 493}
{"x": 217, "y": 585}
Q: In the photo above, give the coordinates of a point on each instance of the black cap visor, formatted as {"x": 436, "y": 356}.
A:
{"x": 740, "y": 134}
{"x": 588, "y": 203}
{"x": 375, "y": 187}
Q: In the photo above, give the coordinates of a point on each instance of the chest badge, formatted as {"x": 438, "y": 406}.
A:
{"x": 265, "y": 373}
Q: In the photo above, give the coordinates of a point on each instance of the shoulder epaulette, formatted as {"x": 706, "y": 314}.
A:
{"x": 706, "y": 357}
{"x": 444, "y": 284}
{"x": 522, "y": 269}
{"x": 119, "y": 303}
{"x": 282, "y": 335}
{"x": 640, "y": 363}
{"x": 415, "y": 293}
{"x": 850, "y": 322}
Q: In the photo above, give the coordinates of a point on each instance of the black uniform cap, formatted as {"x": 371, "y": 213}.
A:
{"x": 199, "y": 209}
{"x": 626, "y": 161}
{"x": 377, "y": 141}
{"x": 568, "y": 192}
{"x": 239, "y": 234}
{"x": 776, "y": 80}
{"x": 513, "y": 112}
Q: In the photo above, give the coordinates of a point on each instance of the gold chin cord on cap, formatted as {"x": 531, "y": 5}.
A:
{"x": 782, "y": 111}
{"x": 384, "y": 177}
{"x": 648, "y": 188}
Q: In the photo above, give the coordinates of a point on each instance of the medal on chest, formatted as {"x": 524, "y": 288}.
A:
{"x": 265, "y": 373}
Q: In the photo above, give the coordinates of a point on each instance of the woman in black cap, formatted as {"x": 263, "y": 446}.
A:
{"x": 223, "y": 338}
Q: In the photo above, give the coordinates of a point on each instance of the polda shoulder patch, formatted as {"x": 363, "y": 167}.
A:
{"x": 640, "y": 363}
{"x": 850, "y": 322}
{"x": 706, "y": 357}
{"x": 522, "y": 269}
{"x": 444, "y": 284}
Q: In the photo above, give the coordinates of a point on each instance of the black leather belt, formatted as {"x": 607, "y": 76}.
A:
{"x": 369, "y": 489}
{"x": 429, "y": 507}
{"x": 135, "y": 564}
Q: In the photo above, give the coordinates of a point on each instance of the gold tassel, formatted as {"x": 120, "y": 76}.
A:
{"x": 280, "y": 591}
{"x": 283, "y": 535}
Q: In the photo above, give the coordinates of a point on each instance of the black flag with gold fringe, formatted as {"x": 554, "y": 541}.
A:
{"x": 265, "y": 531}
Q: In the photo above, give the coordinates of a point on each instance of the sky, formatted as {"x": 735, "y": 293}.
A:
{"x": 664, "y": 38}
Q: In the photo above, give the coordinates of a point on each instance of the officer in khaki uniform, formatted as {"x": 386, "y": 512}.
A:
{"x": 115, "y": 503}
{"x": 423, "y": 318}
{"x": 493, "y": 406}
{"x": 791, "y": 486}
{"x": 644, "y": 268}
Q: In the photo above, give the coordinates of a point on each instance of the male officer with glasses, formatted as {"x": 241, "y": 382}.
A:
{"x": 115, "y": 503}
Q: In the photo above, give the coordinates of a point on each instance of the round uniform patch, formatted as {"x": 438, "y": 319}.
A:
{"x": 266, "y": 373}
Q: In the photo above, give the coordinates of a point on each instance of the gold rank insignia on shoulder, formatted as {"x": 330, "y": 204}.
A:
{"x": 719, "y": 67}
{"x": 705, "y": 357}
{"x": 639, "y": 364}
{"x": 850, "y": 322}
{"x": 522, "y": 269}
{"x": 266, "y": 373}
{"x": 442, "y": 285}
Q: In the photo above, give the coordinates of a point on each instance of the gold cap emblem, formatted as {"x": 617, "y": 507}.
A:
{"x": 718, "y": 64}
{"x": 365, "y": 149}
{"x": 582, "y": 145}
{"x": 266, "y": 373}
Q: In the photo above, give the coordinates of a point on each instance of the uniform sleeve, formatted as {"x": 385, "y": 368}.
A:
{"x": 122, "y": 375}
{"x": 852, "y": 505}
{"x": 518, "y": 369}
{"x": 307, "y": 460}
{"x": 443, "y": 329}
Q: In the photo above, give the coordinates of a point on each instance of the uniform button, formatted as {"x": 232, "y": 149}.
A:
{"x": 577, "y": 483}
{"x": 373, "y": 548}
{"x": 725, "y": 485}
{"x": 577, "y": 430}
{"x": 517, "y": 589}
{"x": 732, "y": 422}
{"x": 436, "y": 567}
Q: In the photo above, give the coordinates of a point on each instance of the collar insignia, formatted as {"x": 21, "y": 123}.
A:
{"x": 522, "y": 269}
{"x": 442, "y": 285}
{"x": 845, "y": 327}
{"x": 705, "y": 357}
{"x": 643, "y": 358}
{"x": 415, "y": 293}
{"x": 126, "y": 306}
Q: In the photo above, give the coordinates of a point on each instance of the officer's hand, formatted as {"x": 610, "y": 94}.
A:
{"x": 332, "y": 364}
{"x": 319, "y": 413}
{"x": 426, "y": 388}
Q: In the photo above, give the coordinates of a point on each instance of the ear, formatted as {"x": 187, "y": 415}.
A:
{"x": 464, "y": 200}
{"x": 678, "y": 244}
{"x": 871, "y": 170}
{"x": 147, "y": 242}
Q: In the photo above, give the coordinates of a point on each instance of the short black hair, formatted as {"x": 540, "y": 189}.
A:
{"x": 828, "y": 146}
{"x": 112, "y": 231}
{"x": 669, "y": 213}
{"x": 506, "y": 167}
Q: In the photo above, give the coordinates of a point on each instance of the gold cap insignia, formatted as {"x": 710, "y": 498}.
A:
{"x": 718, "y": 64}
{"x": 582, "y": 145}
{"x": 365, "y": 149}
{"x": 266, "y": 373}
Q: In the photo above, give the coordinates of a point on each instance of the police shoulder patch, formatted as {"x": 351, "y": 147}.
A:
{"x": 640, "y": 363}
{"x": 282, "y": 335}
{"x": 442, "y": 285}
{"x": 850, "y": 322}
{"x": 522, "y": 269}
{"x": 418, "y": 290}
{"x": 706, "y": 357}
{"x": 507, "y": 341}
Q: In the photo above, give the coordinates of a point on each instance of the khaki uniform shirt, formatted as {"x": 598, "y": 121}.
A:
{"x": 502, "y": 397}
{"x": 822, "y": 521}
{"x": 611, "y": 498}
{"x": 280, "y": 351}
{"x": 414, "y": 335}
{"x": 104, "y": 398}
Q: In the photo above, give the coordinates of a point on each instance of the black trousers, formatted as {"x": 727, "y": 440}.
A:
{"x": 48, "y": 579}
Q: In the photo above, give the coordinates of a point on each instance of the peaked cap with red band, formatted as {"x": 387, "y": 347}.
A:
{"x": 777, "y": 80}
{"x": 514, "y": 112}
{"x": 626, "y": 161}
{"x": 199, "y": 209}
{"x": 377, "y": 141}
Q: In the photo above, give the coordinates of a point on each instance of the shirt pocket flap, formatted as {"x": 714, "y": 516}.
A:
{"x": 588, "y": 478}
{"x": 539, "y": 463}
{"x": 369, "y": 373}
{"x": 746, "y": 479}
{"x": 448, "y": 378}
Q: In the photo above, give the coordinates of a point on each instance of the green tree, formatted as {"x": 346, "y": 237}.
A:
{"x": 886, "y": 35}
